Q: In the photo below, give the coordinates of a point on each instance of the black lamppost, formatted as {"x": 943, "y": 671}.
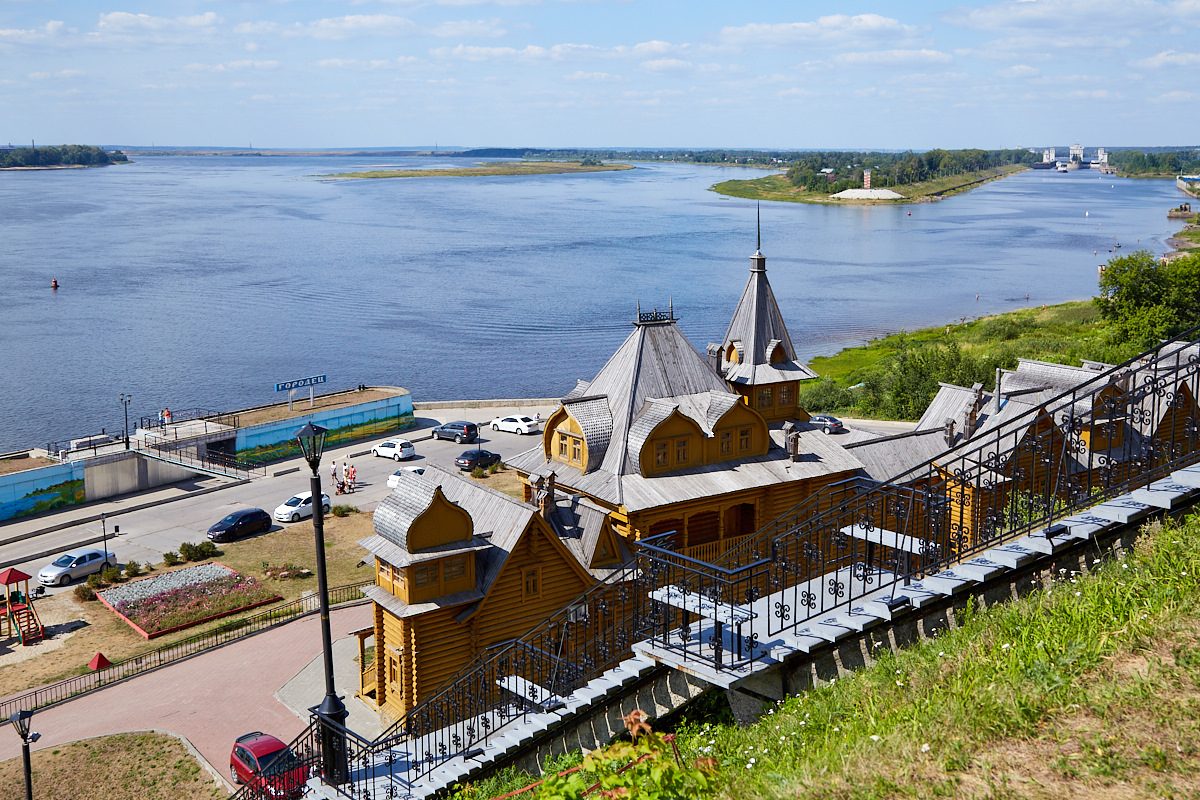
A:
{"x": 333, "y": 743}
{"x": 20, "y": 722}
{"x": 125, "y": 398}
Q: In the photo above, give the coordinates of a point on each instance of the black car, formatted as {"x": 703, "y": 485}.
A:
{"x": 239, "y": 524}
{"x": 826, "y": 422}
{"x": 477, "y": 458}
{"x": 458, "y": 431}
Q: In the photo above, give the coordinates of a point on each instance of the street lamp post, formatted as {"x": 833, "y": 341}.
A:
{"x": 125, "y": 398}
{"x": 20, "y": 723}
{"x": 333, "y": 743}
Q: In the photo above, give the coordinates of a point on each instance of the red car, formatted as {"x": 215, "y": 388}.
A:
{"x": 262, "y": 760}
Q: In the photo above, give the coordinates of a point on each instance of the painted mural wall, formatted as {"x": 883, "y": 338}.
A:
{"x": 38, "y": 490}
{"x": 272, "y": 441}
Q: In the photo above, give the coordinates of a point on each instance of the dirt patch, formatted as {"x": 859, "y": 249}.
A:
{"x": 506, "y": 481}
{"x": 149, "y": 766}
{"x": 11, "y": 465}
{"x": 300, "y": 408}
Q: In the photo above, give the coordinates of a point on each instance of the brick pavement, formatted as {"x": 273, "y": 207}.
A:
{"x": 208, "y": 700}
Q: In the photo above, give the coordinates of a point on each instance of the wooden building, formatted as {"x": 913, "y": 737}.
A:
{"x": 659, "y": 441}
{"x": 461, "y": 567}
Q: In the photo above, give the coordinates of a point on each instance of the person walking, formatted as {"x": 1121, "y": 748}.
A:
{"x": 333, "y": 472}
{"x": 351, "y": 476}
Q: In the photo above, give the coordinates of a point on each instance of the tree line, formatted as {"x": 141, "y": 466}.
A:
{"x": 895, "y": 169}
{"x": 65, "y": 155}
{"x": 1167, "y": 162}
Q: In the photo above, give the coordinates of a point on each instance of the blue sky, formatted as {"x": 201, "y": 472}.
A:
{"x": 797, "y": 75}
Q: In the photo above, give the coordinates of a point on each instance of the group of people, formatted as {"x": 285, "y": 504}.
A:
{"x": 346, "y": 484}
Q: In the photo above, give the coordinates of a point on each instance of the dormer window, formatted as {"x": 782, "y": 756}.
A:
{"x": 660, "y": 454}
{"x": 731, "y": 353}
{"x": 681, "y": 452}
{"x": 777, "y": 355}
{"x": 726, "y": 443}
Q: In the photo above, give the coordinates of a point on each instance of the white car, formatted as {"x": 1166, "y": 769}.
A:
{"x": 298, "y": 507}
{"x": 516, "y": 424}
{"x": 394, "y": 478}
{"x": 398, "y": 449}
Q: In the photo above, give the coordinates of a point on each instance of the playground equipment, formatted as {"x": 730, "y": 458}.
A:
{"x": 19, "y": 619}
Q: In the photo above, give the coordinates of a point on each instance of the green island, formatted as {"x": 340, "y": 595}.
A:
{"x": 895, "y": 178}
{"x": 64, "y": 157}
{"x": 487, "y": 169}
{"x": 1141, "y": 301}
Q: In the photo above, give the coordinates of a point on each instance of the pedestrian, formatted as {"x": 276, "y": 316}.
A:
{"x": 350, "y": 478}
{"x": 333, "y": 472}
{"x": 167, "y": 416}
{"x": 537, "y": 417}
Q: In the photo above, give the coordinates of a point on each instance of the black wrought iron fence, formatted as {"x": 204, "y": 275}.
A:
{"x": 222, "y": 634}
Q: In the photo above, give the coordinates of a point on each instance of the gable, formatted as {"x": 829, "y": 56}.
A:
{"x": 441, "y": 523}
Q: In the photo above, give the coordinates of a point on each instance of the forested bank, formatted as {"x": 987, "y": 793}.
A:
{"x": 1140, "y": 301}
{"x": 67, "y": 155}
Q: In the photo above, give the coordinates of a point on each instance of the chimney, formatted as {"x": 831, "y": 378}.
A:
{"x": 996, "y": 394}
{"x": 546, "y": 497}
{"x": 973, "y": 413}
{"x": 793, "y": 445}
{"x": 948, "y": 432}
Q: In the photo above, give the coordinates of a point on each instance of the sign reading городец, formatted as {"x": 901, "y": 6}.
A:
{"x": 313, "y": 381}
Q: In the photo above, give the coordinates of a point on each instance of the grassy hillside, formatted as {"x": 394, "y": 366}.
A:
{"x": 778, "y": 187}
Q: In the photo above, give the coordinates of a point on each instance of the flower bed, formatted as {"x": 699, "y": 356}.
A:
{"x": 183, "y": 598}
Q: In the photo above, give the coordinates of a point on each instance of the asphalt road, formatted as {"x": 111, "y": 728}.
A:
{"x": 147, "y": 533}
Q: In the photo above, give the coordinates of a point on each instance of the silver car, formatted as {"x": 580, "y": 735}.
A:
{"x": 75, "y": 564}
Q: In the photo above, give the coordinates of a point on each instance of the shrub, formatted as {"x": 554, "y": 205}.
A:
{"x": 493, "y": 468}
{"x": 170, "y": 558}
{"x": 84, "y": 592}
{"x": 343, "y": 510}
{"x": 478, "y": 472}
{"x": 205, "y": 550}
{"x": 94, "y": 581}
{"x": 188, "y": 551}
{"x": 132, "y": 569}
{"x": 111, "y": 574}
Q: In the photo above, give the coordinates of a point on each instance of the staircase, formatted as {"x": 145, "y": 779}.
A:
{"x": 28, "y": 626}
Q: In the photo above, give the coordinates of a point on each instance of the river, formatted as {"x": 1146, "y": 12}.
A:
{"x": 202, "y": 282}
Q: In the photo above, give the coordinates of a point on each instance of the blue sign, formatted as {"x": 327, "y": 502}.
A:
{"x": 313, "y": 381}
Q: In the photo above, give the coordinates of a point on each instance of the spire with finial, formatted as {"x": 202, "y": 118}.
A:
{"x": 758, "y": 262}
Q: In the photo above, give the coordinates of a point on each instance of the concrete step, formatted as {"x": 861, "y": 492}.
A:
{"x": 979, "y": 568}
{"x": 1086, "y": 525}
{"x": 1188, "y": 476}
{"x": 1164, "y": 494}
{"x": 1011, "y": 555}
{"x": 948, "y": 581}
{"x": 1123, "y": 510}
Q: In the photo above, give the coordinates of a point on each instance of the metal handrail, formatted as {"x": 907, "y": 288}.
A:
{"x": 224, "y": 633}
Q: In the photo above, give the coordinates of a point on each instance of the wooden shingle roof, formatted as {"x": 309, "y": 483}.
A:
{"x": 756, "y": 328}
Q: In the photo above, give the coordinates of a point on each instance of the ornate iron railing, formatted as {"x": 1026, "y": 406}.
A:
{"x": 225, "y": 632}
{"x": 856, "y": 541}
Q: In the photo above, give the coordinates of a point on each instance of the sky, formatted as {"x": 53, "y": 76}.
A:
{"x": 605, "y": 73}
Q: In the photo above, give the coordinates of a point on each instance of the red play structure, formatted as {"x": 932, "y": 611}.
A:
{"x": 19, "y": 618}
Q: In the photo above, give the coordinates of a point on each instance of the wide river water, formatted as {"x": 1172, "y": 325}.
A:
{"x": 202, "y": 282}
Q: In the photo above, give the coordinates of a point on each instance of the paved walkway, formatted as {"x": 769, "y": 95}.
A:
{"x": 208, "y": 700}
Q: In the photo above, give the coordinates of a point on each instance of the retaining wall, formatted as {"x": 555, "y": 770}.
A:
{"x": 36, "y": 490}
{"x": 272, "y": 441}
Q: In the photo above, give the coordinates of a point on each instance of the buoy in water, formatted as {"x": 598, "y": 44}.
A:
{"x": 910, "y": 213}
{"x": 54, "y": 283}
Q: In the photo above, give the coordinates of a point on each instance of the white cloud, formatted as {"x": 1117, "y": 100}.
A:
{"x": 347, "y": 27}
{"x": 354, "y": 63}
{"x": 1169, "y": 58}
{"x": 529, "y": 52}
{"x": 17, "y": 36}
{"x": 894, "y": 57}
{"x": 232, "y": 66}
{"x": 1072, "y": 14}
{"x": 667, "y": 65}
{"x": 590, "y": 76}
{"x": 1019, "y": 71}
{"x": 832, "y": 30}
{"x": 479, "y": 28}
{"x": 62, "y": 73}
{"x": 1177, "y": 96}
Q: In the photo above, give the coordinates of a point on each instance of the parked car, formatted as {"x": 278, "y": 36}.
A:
{"x": 398, "y": 449}
{"x": 239, "y": 524}
{"x": 458, "y": 431}
{"x": 394, "y": 478}
{"x": 75, "y": 564}
{"x": 261, "y": 760}
{"x": 518, "y": 424}
{"x": 827, "y": 423}
{"x": 298, "y": 507}
{"x": 477, "y": 458}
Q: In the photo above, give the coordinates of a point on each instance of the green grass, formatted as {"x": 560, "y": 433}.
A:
{"x": 778, "y": 187}
{"x": 1088, "y": 687}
